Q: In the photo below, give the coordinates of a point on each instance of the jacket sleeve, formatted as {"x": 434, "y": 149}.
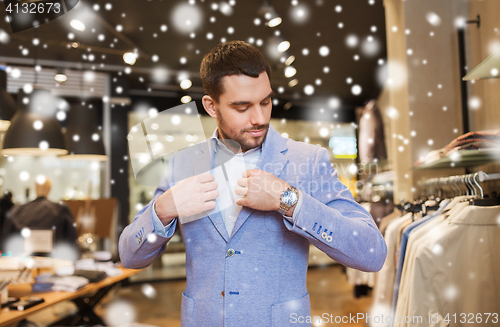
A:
{"x": 336, "y": 224}
{"x": 140, "y": 243}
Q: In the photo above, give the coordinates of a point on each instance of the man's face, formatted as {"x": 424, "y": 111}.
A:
{"x": 244, "y": 110}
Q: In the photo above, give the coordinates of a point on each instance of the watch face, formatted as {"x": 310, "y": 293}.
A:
{"x": 289, "y": 197}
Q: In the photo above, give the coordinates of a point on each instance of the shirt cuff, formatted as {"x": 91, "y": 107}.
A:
{"x": 160, "y": 229}
{"x": 297, "y": 208}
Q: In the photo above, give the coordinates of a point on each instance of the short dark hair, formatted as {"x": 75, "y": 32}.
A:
{"x": 231, "y": 58}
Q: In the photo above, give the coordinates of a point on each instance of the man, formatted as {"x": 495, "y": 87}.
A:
{"x": 246, "y": 265}
{"x": 41, "y": 213}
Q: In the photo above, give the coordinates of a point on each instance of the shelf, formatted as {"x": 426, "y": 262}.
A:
{"x": 489, "y": 68}
{"x": 465, "y": 158}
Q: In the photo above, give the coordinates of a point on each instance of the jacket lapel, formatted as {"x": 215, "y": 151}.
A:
{"x": 273, "y": 160}
{"x": 202, "y": 165}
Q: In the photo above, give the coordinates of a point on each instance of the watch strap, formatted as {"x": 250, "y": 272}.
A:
{"x": 283, "y": 206}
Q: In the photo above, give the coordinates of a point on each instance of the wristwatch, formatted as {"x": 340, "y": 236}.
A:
{"x": 288, "y": 198}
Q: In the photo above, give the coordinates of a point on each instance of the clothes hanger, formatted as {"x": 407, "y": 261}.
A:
{"x": 452, "y": 187}
{"x": 484, "y": 202}
{"x": 477, "y": 191}
{"x": 433, "y": 202}
{"x": 470, "y": 187}
{"x": 459, "y": 182}
{"x": 464, "y": 188}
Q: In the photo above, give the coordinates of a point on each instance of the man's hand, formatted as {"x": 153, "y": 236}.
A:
{"x": 262, "y": 190}
{"x": 190, "y": 196}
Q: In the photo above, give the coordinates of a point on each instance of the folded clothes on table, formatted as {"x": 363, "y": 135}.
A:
{"x": 49, "y": 282}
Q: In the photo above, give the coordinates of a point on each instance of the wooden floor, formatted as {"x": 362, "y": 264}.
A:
{"x": 328, "y": 289}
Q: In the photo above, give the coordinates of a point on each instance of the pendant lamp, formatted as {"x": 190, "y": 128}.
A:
{"x": 34, "y": 130}
{"x": 270, "y": 14}
{"x": 83, "y": 139}
{"x": 7, "y": 103}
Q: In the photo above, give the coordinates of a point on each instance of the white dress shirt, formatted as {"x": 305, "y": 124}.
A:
{"x": 228, "y": 167}
{"x": 234, "y": 169}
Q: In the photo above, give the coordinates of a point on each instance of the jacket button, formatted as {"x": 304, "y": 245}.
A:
{"x": 222, "y": 294}
{"x": 323, "y": 235}
{"x": 230, "y": 252}
{"x": 329, "y": 238}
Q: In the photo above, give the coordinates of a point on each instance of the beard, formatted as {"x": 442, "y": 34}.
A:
{"x": 240, "y": 139}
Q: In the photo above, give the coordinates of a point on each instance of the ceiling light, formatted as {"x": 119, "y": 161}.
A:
{"x": 283, "y": 46}
{"x": 60, "y": 76}
{"x": 75, "y": 45}
{"x": 289, "y": 60}
{"x": 274, "y": 22}
{"x": 293, "y": 82}
{"x": 77, "y": 25}
{"x": 186, "y": 84}
{"x": 83, "y": 138}
{"x": 270, "y": 14}
{"x": 186, "y": 99}
{"x": 290, "y": 71}
{"x": 22, "y": 138}
{"x": 129, "y": 58}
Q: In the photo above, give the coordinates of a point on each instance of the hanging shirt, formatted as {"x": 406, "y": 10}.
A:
{"x": 459, "y": 272}
{"x": 388, "y": 219}
{"x": 402, "y": 251}
{"x": 419, "y": 237}
{"x": 385, "y": 277}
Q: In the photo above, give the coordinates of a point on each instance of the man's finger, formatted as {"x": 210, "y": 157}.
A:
{"x": 242, "y": 182}
{"x": 209, "y": 205}
{"x": 206, "y": 178}
{"x": 210, "y": 186}
{"x": 241, "y": 191}
{"x": 241, "y": 202}
{"x": 212, "y": 195}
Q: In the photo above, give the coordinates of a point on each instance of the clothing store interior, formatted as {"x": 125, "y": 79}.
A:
{"x": 403, "y": 94}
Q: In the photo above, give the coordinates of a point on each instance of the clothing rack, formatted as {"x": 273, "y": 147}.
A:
{"x": 481, "y": 176}
{"x": 470, "y": 181}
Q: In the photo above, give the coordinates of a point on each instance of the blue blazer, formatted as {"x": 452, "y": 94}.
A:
{"x": 257, "y": 275}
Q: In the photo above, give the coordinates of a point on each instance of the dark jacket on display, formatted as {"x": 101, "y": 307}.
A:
{"x": 41, "y": 214}
{"x": 371, "y": 135}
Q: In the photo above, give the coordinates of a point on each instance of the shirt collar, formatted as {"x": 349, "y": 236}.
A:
{"x": 216, "y": 144}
